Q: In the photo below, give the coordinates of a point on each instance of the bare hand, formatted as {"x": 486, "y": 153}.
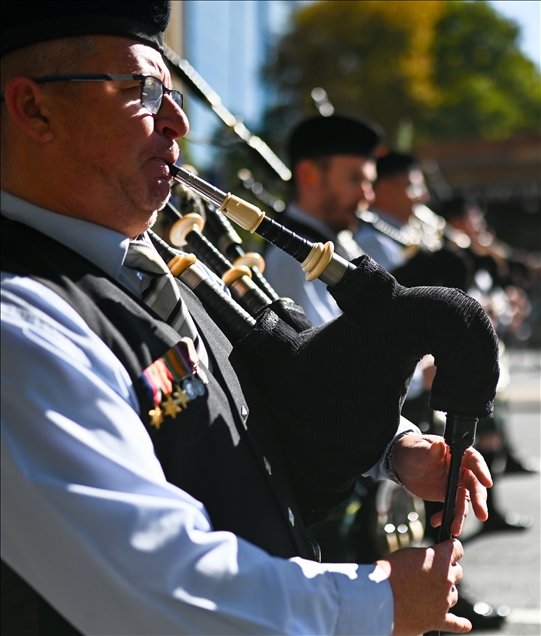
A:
{"x": 422, "y": 463}
{"x": 423, "y": 581}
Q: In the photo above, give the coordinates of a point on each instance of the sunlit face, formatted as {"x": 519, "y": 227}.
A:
{"x": 346, "y": 186}
{"x": 398, "y": 194}
{"x": 472, "y": 223}
{"x": 115, "y": 153}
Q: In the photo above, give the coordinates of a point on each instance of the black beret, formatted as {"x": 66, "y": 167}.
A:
{"x": 335, "y": 135}
{"x": 457, "y": 207}
{"x": 394, "y": 163}
{"x": 28, "y": 22}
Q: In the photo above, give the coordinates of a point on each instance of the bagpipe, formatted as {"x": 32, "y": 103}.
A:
{"x": 243, "y": 276}
{"x": 337, "y": 390}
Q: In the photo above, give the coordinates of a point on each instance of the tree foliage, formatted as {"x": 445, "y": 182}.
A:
{"x": 452, "y": 68}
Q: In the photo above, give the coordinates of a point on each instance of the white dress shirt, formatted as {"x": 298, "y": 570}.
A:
{"x": 383, "y": 249}
{"x": 88, "y": 518}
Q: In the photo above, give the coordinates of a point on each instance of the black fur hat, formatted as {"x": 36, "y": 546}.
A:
{"x": 336, "y": 135}
{"x": 28, "y": 22}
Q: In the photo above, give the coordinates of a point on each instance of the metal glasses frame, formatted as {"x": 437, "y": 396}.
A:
{"x": 151, "y": 104}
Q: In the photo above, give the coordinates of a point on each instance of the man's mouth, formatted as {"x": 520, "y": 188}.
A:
{"x": 165, "y": 164}
{"x": 168, "y": 159}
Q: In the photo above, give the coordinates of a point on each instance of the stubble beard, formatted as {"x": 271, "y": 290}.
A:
{"x": 338, "y": 222}
{"x": 143, "y": 204}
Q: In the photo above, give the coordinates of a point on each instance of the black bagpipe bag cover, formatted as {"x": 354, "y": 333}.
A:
{"x": 337, "y": 390}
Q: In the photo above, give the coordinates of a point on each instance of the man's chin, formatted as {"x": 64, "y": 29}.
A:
{"x": 152, "y": 219}
{"x": 158, "y": 196}
{"x": 164, "y": 200}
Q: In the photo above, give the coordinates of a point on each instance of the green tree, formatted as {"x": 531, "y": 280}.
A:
{"x": 488, "y": 88}
{"x": 451, "y": 68}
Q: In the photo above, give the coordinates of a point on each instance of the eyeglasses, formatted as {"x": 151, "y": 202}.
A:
{"x": 152, "y": 88}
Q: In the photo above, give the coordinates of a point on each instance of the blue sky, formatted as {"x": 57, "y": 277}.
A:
{"x": 527, "y": 13}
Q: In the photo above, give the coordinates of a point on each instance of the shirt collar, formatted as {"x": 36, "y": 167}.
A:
{"x": 102, "y": 246}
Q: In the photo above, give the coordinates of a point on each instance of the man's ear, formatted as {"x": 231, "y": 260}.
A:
{"x": 25, "y": 103}
{"x": 307, "y": 172}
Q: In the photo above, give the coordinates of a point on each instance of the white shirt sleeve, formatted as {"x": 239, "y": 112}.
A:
{"x": 89, "y": 520}
{"x": 287, "y": 278}
{"x": 386, "y": 252}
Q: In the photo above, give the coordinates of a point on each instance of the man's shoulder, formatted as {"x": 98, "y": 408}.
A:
{"x": 369, "y": 234}
{"x": 38, "y": 322}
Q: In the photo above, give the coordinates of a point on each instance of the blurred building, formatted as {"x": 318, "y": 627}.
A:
{"x": 503, "y": 175}
{"x": 227, "y": 42}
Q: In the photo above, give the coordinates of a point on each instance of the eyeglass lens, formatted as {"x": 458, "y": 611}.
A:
{"x": 152, "y": 95}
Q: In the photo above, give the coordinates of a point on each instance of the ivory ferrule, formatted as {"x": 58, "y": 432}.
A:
{"x": 235, "y": 273}
{"x": 179, "y": 263}
{"x": 316, "y": 262}
{"x": 248, "y": 216}
{"x": 251, "y": 259}
{"x": 181, "y": 228}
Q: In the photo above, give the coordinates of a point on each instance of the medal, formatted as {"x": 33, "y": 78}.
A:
{"x": 156, "y": 417}
{"x": 170, "y": 407}
{"x": 173, "y": 381}
{"x": 181, "y": 397}
{"x": 193, "y": 387}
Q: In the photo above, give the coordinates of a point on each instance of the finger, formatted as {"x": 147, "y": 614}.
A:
{"x": 451, "y": 551}
{"x": 477, "y": 493}
{"x": 462, "y": 507}
{"x": 457, "y": 554}
{"x": 457, "y": 573}
{"x": 456, "y": 624}
{"x": 436, "y": 451}
{"x": 474, "y": 461}
{"x": 436, "y": 518}
{"x": 453, "y": 600}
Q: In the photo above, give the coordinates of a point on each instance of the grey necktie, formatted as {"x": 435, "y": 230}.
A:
{"x": 161, "y": 292}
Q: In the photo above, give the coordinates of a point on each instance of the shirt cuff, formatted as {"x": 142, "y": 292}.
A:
{"x": 379, "y": 471}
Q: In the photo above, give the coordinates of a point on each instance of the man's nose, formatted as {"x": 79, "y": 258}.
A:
{"x": 418, "y": 193}
{"x": 171, "y": 120}
{"x": 368, "y": 191}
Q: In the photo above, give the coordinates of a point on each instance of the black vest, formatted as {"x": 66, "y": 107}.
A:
{"x": 221, "y": 449}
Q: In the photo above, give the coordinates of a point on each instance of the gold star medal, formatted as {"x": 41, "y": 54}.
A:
{"x": 156, "y": 417}
{"x": 173, "y": 381}
{"x": 181, "y": 397}
{"x": 170, "y": 407}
